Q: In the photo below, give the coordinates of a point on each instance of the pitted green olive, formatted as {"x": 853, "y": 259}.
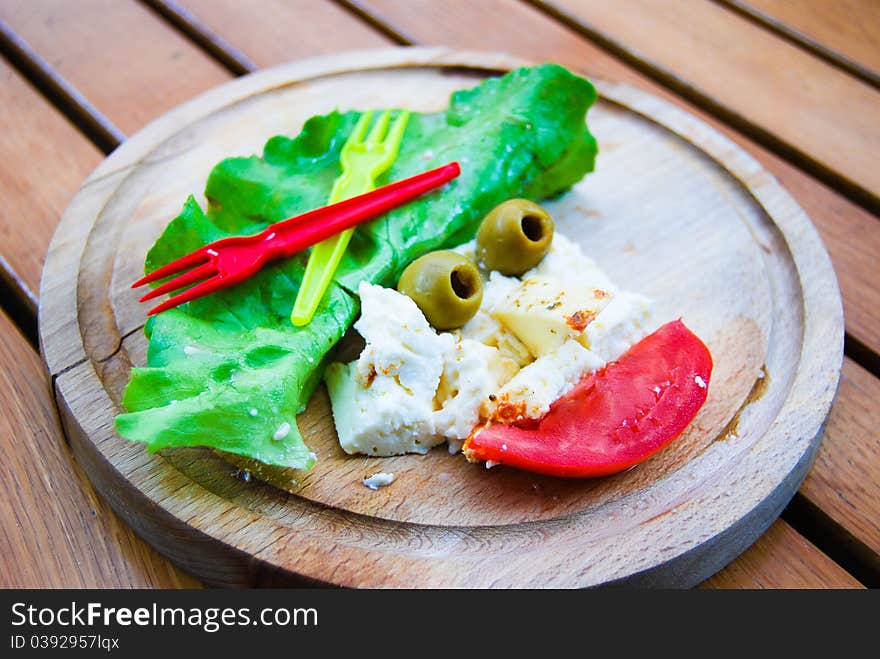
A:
{"x": 514, "y": 237}
{"x": 446, "y": 286}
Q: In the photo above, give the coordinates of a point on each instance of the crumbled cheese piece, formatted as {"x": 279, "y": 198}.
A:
{"x": 544, "y": 312}
{"x": 412, "y": 388}
{"x": 400, "y": 343}
{"x": 376, "y": 481}
{"x": 566, "y": 263}
{"x": 282, "y": 432}
{"x": 467, "y": 250}
{"x": 485, "y": 328}
{"x": 701, "y": 383}
{"x": 383, "y": 403}
{"x": 470, "y": 375}
{"x": 537, "y": 386}
{"x": 624, "y": 322}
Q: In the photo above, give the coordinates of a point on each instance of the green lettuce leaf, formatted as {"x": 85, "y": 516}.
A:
{"x": 229, "y": 370}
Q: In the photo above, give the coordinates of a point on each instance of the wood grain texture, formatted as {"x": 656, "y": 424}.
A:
{"x": 848, "y": 438}
{"x": 54, "y": 530}
{"x": 810, "y": 107}
{"x": 524, "y": 31}
{"x": 190, "y": 504}
{"x": 126, "y": 60}
{"x": 779, "y": 559}
{"x": 845, "y": 482}
{"x": 282, "y": 31}
{"x": 45, "y": 160}
{"x": 847, "y": 28}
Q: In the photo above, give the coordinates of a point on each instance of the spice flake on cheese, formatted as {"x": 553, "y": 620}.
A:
{"x": 544, "y": 312}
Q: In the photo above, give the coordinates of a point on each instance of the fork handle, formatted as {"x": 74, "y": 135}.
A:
{"x": 293, "y": 235}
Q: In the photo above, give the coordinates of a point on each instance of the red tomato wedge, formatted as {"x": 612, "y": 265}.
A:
{"x": 613, "y": 418}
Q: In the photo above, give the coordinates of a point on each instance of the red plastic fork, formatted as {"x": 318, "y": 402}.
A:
{"x": 232, "y": 260}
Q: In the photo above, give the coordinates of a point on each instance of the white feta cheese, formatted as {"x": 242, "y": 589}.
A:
{"x": 487, "y": 329}
{"x": 467, "y": 250}
{"x": 470, "y": 375}
{"x": 400, "y": 344}
{"x": 537, "y": 386}
{"x": 282, "y": 432}
{"x": 624, "y": 322}
{"x": 700, "y": 382}
{"x": 383, "y": 402}
{"x": 483, "y": 327}
{"x": 376, "y": 481}
{"x": 567, "y": 263}
{"x": 412, "y": 388}
{"x": 544, "y": 312}
{"x": 495, "y": 289}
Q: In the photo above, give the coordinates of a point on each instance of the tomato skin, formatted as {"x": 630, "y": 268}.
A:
{"x": 613, "y": 418}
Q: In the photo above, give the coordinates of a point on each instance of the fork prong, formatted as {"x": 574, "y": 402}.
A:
{"x": 191, "y": 277}
{"x": 360, "y": 128}
{"x": 395, "y": 133}
{"x": 208, "y": 286}
{"x": 377, "y": 133}
{"x": 184, "y": 262}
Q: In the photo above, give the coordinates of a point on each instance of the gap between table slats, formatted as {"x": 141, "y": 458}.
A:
{"x": 854, "y": 187}
{"x": 341, "y": 2}
{"x": 812, "y": 45}
{"x": 546, "y": 39}
{"x": 62, "y": 94}
{"x": 360, "y": 10}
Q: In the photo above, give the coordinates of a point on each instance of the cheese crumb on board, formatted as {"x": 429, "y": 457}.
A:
{"x": 376, "y": 481}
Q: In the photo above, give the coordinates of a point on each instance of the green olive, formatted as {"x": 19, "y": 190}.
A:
{"x": 514, "y": 237}
{"x": 446, "y": 286}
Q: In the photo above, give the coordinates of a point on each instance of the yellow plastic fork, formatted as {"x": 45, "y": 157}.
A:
{"x": 364, "y": 158}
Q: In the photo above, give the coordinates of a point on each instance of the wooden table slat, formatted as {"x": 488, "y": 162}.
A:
{"x": 845, "y": 479}
{"x": 782, "y": 558}
{"x": 781, "y": 94}
{"x": 757, "y": 567}
{"x": 284, "y": 31}
{"x": 119, "y": 54}
{"x": 527, "y": 32}
{"x": 54, "y": 530}
{"x": 845, "y": 31}
{"x": 51, "y": 159}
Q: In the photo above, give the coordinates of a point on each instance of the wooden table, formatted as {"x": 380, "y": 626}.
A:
{"x": 794, "y": 82}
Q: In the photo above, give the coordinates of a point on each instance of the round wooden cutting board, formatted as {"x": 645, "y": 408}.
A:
{"x": 674, "y": 210}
